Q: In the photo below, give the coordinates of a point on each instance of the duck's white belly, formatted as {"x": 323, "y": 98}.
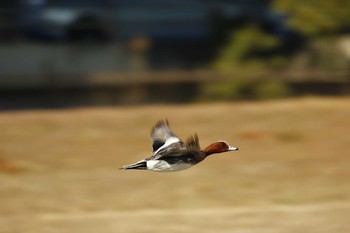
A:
{"x": 163, "y": 166}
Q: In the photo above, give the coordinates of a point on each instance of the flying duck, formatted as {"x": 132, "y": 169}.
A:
{"x": 171, "y": 154}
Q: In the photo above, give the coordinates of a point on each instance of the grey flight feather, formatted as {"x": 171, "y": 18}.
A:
{"x": 161, "y": 131}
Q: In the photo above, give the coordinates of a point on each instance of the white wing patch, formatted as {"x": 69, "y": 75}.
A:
{"x": 167, "y": 143}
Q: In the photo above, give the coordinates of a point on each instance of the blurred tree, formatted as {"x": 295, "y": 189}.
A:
{"x": 249, "y": 47}
{"x": 323, "y": 22}
{"x": 317, "y": 17}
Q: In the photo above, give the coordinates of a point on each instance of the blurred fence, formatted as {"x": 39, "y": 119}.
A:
{"x": 155, "y": 87}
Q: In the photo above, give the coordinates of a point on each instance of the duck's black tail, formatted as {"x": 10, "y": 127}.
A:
{"x": 139, "y": 165}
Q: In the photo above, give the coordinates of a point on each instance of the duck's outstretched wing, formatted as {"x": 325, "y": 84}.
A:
{"x": 163, "y": 138}
{"x": 185, "y": 149}
{"x": 192, "y": 143}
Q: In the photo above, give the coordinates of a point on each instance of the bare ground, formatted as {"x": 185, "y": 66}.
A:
{"x": 58, "y": 169}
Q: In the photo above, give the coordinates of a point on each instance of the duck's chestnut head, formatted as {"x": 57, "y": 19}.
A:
{"x": 218, "y": 147}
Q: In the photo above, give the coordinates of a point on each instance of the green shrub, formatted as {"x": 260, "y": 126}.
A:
{"x": 243, "y": 89}
{"x": 272, "y": 90}
{"x": 237, "y": 89}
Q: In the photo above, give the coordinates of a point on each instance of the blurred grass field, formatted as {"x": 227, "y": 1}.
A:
{"x": 58, "y": 169}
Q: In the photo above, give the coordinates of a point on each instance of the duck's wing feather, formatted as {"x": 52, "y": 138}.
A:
{"x": 192, "y": 143}
{"x": 163, "y": 137}
{"x": 174, "y": 150}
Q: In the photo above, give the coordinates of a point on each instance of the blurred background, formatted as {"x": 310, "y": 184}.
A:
{"x": 57, "y": 53}
{"x": 83, "y": 81}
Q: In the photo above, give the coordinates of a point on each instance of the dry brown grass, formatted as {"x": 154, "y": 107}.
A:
{"x": 58, "y": 169}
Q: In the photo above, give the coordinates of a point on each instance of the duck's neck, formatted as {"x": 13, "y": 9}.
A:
{"x": 209, "y": 150}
